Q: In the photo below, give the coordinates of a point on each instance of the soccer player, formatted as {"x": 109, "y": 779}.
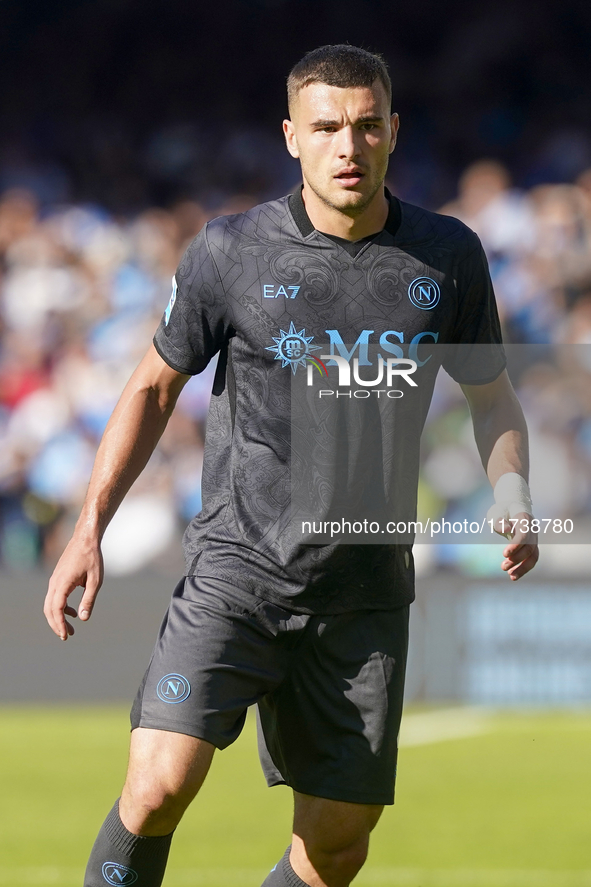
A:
{"x": 316, "y": 635}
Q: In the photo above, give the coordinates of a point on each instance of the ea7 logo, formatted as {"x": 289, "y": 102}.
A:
{"x": 271, "y": 291}
{"x": 116, "y": 874}
{"x": 173, "y": 688}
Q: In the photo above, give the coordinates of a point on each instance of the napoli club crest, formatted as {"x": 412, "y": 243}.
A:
{"x": 116, "y": 874}
{"x": 424, "y": 293}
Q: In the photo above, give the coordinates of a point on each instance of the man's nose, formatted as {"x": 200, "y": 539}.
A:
{"x": 348, "y": 147}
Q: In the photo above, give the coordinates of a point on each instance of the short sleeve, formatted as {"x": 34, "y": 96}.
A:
{"x": 477, "y": 355}
{"x": 194, "y": 326}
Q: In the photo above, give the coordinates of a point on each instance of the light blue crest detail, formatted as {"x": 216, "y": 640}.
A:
{"x": 118, "y": 875}
{"x": 173, "y": 688}
{"x": 292, "y": 347}
{"x": 170, "y": 305}
{"x": 424, "y": 293}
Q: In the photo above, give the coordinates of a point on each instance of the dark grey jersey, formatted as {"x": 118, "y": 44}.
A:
{"x": 267, "y": 291}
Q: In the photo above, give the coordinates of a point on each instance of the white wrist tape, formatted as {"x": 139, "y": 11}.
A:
{"x": 512, "y": 497}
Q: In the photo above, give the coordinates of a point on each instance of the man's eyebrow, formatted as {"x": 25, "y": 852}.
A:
{"x": 368, "y": 118}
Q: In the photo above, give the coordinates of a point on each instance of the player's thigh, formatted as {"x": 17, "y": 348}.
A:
{"x": 330, "y": 730}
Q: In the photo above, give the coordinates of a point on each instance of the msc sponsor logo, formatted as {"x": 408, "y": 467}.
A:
{"x": 173, "y": 688}
{"x": 390, "y": 341}
{"x": 272, "y": 291}
{"x": 117, "y": 874}
{"x": 424, "y": 293}
{"x": 293, "y": 347}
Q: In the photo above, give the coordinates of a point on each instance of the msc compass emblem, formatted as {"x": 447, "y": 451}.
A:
{"x": 173, "y": 688}
{"x": 292, "y": 347}
{"x": 424, "y": 293}
{"x": 116, "y": 874}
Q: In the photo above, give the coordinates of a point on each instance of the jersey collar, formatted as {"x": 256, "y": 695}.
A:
{"x": 305, "y": 226}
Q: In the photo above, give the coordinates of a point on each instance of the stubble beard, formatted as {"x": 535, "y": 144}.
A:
{"x": 353, "y": 210}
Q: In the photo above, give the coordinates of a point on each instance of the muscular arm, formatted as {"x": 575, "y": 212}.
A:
{"x": 129, "y": 440}
{"x": 501, "y": 437}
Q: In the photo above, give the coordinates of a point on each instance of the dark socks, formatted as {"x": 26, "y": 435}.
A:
{"x": 121, "y": 858}
{"x": 283, "y": 875}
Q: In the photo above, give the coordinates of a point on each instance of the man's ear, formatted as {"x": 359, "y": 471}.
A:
{"x": 290, "y": 138}
{"x": 394, "y": 124}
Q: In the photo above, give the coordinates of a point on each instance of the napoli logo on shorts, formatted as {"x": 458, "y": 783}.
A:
{"x": 117, "y": 874}
{"x": 173, "y": 688}
{"x": 424, "y": 293}
{"x": 292, "y": 347}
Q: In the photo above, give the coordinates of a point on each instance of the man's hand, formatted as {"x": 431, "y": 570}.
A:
{"x": 81, "y": 564}
{"x": 522, "y": 553}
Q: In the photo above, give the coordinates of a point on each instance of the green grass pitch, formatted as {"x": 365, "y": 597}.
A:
{"x": 505, "y": 805}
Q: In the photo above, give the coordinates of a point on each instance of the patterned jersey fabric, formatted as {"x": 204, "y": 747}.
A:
{"x": 269, "y": 293}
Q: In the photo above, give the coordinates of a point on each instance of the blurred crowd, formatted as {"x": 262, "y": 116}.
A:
{"x": 82, "y": 291}
{"x": 81, "y": 295}
{"x": 538, "y": 243}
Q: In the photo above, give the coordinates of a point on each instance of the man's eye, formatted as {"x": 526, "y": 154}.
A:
{"x": 368, "y": 126}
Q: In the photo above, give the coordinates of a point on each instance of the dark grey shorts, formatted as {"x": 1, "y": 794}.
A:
{"x": 329, "y": 688}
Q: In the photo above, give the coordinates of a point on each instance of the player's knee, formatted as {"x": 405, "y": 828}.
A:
{"x": 165, "y": 773}
{"x": 151, "y": 806}
{"x": 337, "y": 866}
{"x": 154, "y": 797}
{"x": 351, "y": 859}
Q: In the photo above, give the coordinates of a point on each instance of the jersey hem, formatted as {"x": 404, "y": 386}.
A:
{"x": 286, "y": 602}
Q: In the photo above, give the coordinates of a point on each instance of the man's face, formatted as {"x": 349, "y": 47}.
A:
{"x": 343, "y": 138}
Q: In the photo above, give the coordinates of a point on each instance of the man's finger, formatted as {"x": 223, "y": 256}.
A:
{"x": 520, "y": 561}
{"x": 54, "y": 607}
{"x": 89, "y": 597}
{"x": 69, "y": 611}
{"x": 521, "y": 569}
{"x": 516, "y": 553}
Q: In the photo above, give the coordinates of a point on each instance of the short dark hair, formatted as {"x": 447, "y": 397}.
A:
{"x": 341, "y": 65}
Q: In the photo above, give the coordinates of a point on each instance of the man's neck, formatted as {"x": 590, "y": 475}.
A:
{"x": 329, "y": 220}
